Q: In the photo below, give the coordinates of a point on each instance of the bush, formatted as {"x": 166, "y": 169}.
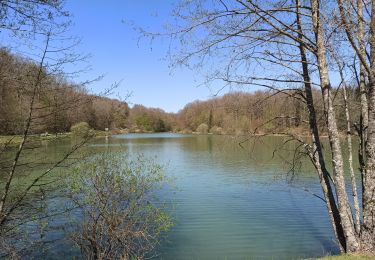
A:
{"x": 81, "y": 129}
{"x": 202, "y": 129}
{"x": 116, "y": 198}
{"x": 186, "y": 131}
{"x": 216, "y": 130}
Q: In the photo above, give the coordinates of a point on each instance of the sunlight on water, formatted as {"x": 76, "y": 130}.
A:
{"x": 228, "y": 201}
{"x": 236, "y": 203}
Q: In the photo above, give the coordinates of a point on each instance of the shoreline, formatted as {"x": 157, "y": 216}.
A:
{"x": 12, "y": 140}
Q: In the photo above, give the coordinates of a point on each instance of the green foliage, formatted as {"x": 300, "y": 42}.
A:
{"x": 144, "y": 122}
{"x": 160, "y": 126}
{"x": 81, "y": 129}
{"x": 122, "y": 216}
{"x": 151, "y": 123}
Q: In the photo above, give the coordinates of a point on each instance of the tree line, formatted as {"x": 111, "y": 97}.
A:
{"x": 243, "y": 113}
{"x": 59, "y": 104}
{"x": 259, "y": 112}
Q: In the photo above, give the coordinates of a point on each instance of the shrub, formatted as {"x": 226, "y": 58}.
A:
{"x": 202, "y": 129}
{"x": 216, "y": 130}
{"x": 186, "y": 131}
{"x": 81, "y": 129}
{"x": 116, "y": 199}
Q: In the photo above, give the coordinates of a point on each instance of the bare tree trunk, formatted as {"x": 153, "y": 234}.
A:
{"x": 368, "y": 228}
{"x": 363, "y": 92}
{"x": 357, "y": 224}
{"x": 317, "y": 153}
{"x": 333, "y": 134}
{"x": 352, "y": 175}
{"x": 36, "y": 86}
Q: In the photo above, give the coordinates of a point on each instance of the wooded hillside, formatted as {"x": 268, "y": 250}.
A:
{"x": 260, "y": 112}
{"x": 61, "y": 104}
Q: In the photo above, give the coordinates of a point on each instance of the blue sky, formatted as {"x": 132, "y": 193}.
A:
{"x": 116, "y": 52}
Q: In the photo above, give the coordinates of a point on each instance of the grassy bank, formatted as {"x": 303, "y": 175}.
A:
{"x": 16, "y": 139}
{"x": 12, "y": 140}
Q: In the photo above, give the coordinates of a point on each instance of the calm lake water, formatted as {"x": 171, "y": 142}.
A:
{"x": 234, "y": 202}
{"x": 231, "y": 201}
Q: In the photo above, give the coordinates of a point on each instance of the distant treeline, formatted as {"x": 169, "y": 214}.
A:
{"x": 243, "y": 113}
{"x": 60, "y": 105}
{"x": 257, "y": 112}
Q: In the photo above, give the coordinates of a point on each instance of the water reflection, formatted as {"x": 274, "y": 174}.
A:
{"x": 230, "y": 201}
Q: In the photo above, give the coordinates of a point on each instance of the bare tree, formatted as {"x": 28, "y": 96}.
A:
{"x": 283, "y": 45}
{"x": 44, "y": 22}
{"x": 357, "y": 40}
{"x": 27, "y": 18}
{"x": 15, "y": 198}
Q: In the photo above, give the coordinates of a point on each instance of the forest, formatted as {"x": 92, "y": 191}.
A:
{"x": 259, "y": 112}
{"x": 61, "y": 104}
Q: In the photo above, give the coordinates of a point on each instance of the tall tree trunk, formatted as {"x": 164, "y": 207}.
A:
{"x": 363, "y": 93}
{"x": 333, "y": 134}
{"x": 317, "y": 153}
{"x": 350, "y": 159}
{"x": 368, "y": 227}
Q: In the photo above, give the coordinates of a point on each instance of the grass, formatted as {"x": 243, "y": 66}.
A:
{"x": 12, "y": 140}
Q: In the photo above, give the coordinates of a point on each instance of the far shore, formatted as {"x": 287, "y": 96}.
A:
{"x": 346, "y": 257}
{"x": 12, "y": 140}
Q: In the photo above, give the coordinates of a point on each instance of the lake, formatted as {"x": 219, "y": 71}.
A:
{"x": 232, "y": 201}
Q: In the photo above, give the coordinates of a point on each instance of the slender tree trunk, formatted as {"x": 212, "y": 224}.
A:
{"x": 36, "y": 85}
{"x": 350, "y": 159}
{"x": 368, "y": 227}
{"x": 363, "y": 93}
{"x": 333, "y": 134}
{"x": 362, "y": 72}
{"x": 317, "y": 153}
